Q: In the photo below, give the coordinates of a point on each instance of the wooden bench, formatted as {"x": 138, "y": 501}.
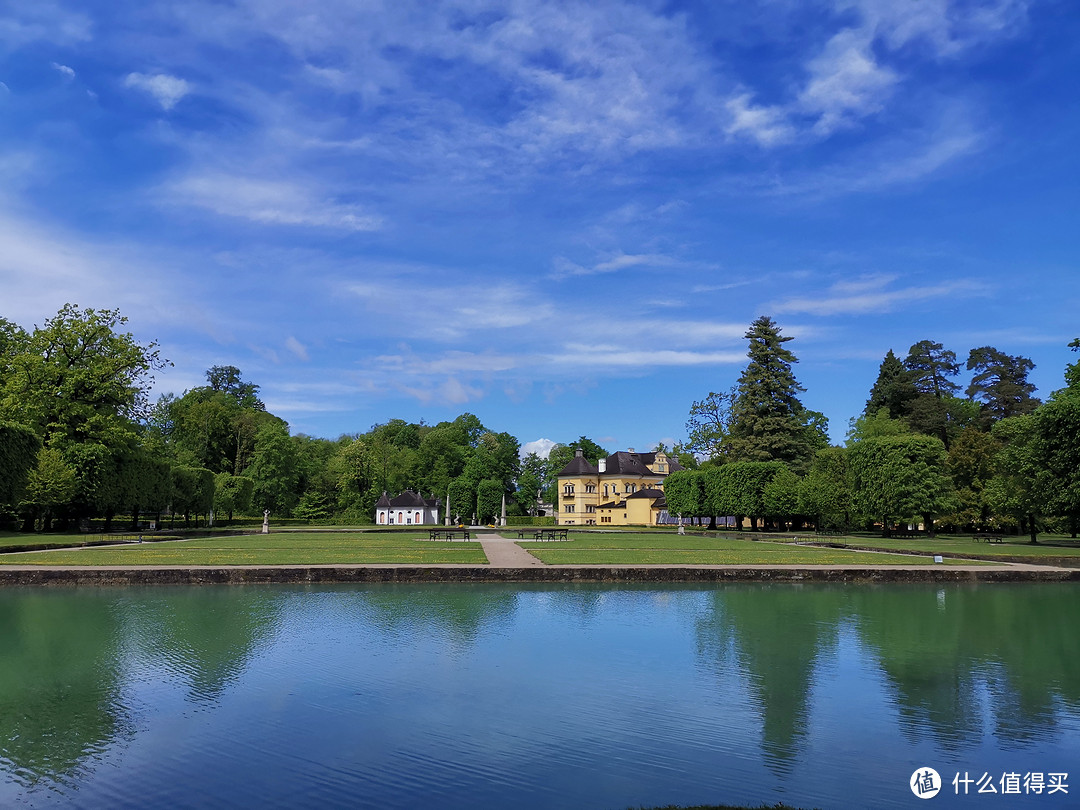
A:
{"x": 552, "y": 534}
{"x": 448, "y": 534}
{"x": 989, "y": 538}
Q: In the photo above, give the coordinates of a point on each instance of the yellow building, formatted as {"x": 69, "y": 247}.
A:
{"x": 624, "y": 489}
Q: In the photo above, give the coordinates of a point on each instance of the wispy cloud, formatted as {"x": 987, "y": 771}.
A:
{"x": 64, "y": 70}
{"x": 462, "y": 308}
{"x": 766, "y": 125}
{"x": 871, "y": 295}
{"x": 846, "y": 82}
{"x": 565, "y": 268}
{"x": 272, "y": 202}
{"x": 167, "y": 90}
{"x": 298, "y": 349}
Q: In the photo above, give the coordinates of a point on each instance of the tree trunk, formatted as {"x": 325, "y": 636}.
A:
{"x": 108, "y": 521}
{"x": 1032, "y": 528}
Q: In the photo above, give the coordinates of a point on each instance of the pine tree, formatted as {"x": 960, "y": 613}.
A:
{"x": 769, "y": 423}
{"x": 1001, "y": 382}
{"x": 930, "y": 366}
{"x": 893, "y": 390}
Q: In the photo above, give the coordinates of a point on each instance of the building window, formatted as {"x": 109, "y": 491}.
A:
{"x": 590, "y": 509}
{"x": 590, "y": 488}
{"x": 568, "y": 489}
{"x": 569, "y": 508}
{"x": 661, "y": 467}
{"x": 605, "y": 490}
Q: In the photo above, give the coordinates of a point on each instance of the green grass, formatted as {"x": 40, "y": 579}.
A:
{"x": 661, "y": 549}
{"x": 292, "y": 548}
{"x": 963, "y": 544}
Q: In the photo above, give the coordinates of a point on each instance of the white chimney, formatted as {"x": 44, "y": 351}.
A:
{"x": 602, "y": 464}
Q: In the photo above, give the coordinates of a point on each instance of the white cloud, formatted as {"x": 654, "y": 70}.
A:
{"x": 270, "y": 202}
{"x": 621, "y": 358}
{"x": 297, "y": 348}
{"x": 42, "y": 20}
{"x": 846, "y": 83}
{"x": 766, "y": 125}
{"x": 870, "y": 296}
{"x": 619, "y": 261}
{"x": 542, "y": 447}
{"x": 167, "y": 90}
{"x": 451, "y": 391}
{"x": 64, "y": 69}
{"x": 42, "y": 268}
{"x": 463, "y": 307}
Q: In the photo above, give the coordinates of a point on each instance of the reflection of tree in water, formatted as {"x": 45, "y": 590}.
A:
{"x": 206, "y": 635}
{"x": 775, "y": 635}
{"x": 457, "y": 611}
{"x": 939, "y": 648}
{"x": 59, "y": 681}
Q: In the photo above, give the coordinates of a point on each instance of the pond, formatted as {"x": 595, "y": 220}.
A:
{"x": 460, "y": 696}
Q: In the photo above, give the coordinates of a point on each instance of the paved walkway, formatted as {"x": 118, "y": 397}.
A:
{"x": 502, "y": 552}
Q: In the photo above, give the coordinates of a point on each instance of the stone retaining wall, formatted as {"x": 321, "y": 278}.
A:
{"x": 416, "y": 574}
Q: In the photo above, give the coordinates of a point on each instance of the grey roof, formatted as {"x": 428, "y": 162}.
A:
{"x": 647, "y": 493}
{"x": 622, "y": 462}
{"x": 579, "y": 465}
{"x": 410, "y": 499}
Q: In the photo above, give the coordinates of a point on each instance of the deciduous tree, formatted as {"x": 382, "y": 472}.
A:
{"x": 900, "y": 478}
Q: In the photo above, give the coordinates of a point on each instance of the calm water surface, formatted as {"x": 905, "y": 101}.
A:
{"x": 456, "y": 696}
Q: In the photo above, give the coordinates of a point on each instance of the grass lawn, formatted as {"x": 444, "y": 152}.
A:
{"x": 9, "y": 540}
{"x": 291, "y": 548}
{"x": 963, "y": 544}
{"x": 660, "y": 549}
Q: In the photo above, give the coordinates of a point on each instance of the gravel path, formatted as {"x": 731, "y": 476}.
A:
{"x": 502, "y": 552}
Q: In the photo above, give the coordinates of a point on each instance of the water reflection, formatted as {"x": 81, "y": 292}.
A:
{"x": 539, "y": 696}
{"x": 59, "y": 681}
{"x": 776, "y": 636}
{"x": 448, "y": 610}
{"x": 956, "y": 658}
{"x": 206, "y": 636}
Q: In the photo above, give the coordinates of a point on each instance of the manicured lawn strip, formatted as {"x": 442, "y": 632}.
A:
{"x": 12, "y": 541}
{"x": 643, "y": 549}
{"x": 945, "y": 544}
{"x": 293, "y": 548}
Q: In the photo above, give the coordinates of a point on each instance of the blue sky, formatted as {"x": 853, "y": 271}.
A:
{"x": 558, "y": 216}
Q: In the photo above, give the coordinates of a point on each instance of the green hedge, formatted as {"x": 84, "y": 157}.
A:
{"x": 530, "y": 521}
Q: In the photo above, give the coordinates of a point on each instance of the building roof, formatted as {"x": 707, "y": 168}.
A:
{"x": 407, "y": 499}
{"x": 621, "y": 463}
{"x": 647, "y": 493}
{"x": 579, "y": 465}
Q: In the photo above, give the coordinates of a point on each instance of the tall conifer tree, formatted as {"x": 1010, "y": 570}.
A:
{"x": 893, "y": 389}
{"x": 769, "y": 423}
